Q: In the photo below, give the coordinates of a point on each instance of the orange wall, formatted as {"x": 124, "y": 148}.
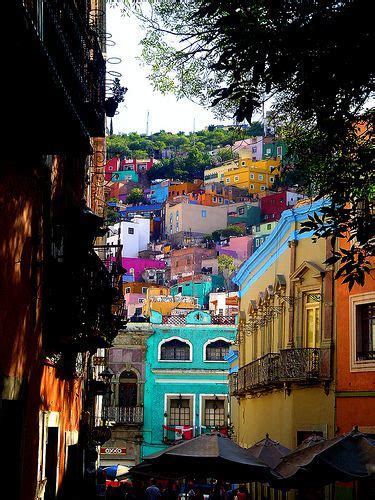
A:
{"x": 347, "y": 380}
{"x": 351, "y": 411}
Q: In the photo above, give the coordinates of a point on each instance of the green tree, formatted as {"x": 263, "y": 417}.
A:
{"x": 135, "y": 196}
{"x": 227, "y": 267}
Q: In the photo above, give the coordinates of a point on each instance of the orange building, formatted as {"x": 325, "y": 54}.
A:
{"x": 182, "y": 188}
{"x": 355, "y": 331}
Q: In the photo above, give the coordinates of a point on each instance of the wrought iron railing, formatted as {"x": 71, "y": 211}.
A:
{"x": 305, "y": 364}
{"x": 75, "y": 55}
{"x": 233, "y": 384}
{"x": 123, "y": 414}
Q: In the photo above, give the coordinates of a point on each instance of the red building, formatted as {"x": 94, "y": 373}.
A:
{"x": 189, "y": 260}
{"x": 272, "y": 205}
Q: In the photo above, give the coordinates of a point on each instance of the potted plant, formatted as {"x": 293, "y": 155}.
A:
{"x": 118, "y": 93}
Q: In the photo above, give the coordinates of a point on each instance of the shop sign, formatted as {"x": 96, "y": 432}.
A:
{"x": 113, "y": 451}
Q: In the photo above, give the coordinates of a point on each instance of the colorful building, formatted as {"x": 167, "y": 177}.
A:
{"x": 254, "y": 176}
{"x": 123, "y": 407}
{"x": 155, "y": 212}
{"x": 186, "y": 388}
{"x": 159, "y": 190}
{"x": 239, "y": 247}
{"x": 216, "y": 174}
{"x": 188, "y": 261}
{"x": 177, "y": 188}
{"x": 133, "y": 235}
{"x": 251, "y": 147}
{"x": 198, "y": 286}
{"x": 245, "y": 214}
{"x": 273, "y": 148}
{"x": 286, "y": 337}
{"x": 260, "y": 232}
{"x": 272, "y": 205}
{"x": 134, "y": 267}
{"x": 223, "y": 303}
{"x": 194, "y": 219}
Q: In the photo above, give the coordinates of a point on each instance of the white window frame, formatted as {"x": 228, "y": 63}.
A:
{"x": 211, "y": 341}
{"x": 144, "y": 289}
{"x": 354, "y": 301}
{"x": 128, "y": 289}
{"x": 175, "y": 360}
{"x": 251, "y": 186}
{"x": 262, "y": 188}
{"x": 252, "y": 176}
{"x": 260, "y": 177}
{"x": 236, "y": 178}
{"x": 227, "y": 180}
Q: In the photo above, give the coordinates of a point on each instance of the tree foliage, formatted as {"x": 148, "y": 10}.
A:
{"x": 135, "y": 196}
{"x": 309, "y": 57}
{"x": 227, "y": 232}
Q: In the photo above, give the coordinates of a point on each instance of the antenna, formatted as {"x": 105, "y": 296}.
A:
{"x": 148, "y": 123}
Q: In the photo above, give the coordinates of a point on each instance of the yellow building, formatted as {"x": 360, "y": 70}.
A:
{"x": 254, "y": 176}
{"x": 245, "y": 173}
{"x": 159, "y": 300}
{"x": 285, "y": 338}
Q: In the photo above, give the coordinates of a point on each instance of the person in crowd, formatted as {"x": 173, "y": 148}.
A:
{"x": 242, "y": 493}
{"x": 153, "y": 492}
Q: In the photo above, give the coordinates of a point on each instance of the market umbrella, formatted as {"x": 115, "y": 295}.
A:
{"x": 115, "y": 471}
{"x": 343, "y": 458}
{"x": 209, "y": 455}
{"x": 269, "y": 451}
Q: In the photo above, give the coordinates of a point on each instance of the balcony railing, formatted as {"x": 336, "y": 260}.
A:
{"x": 123, "y": 414}
{"x": 74, "y": 55}
{"x": 215, "y": 320}
{"x": 304, "y": 365}
{"x": 233, "y": 384}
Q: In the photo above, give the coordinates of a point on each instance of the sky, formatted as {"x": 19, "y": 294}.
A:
{"x": 165, "y": 112}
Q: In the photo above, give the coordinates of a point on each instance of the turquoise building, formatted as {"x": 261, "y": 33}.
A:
{"x": 125, "y": 175}
{"x": 199, "y": 286}
{"x": 186, "y": 380}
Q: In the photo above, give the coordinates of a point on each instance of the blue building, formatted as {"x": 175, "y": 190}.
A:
{"x": 159, "y": 190}
{"x": 186, "y": 380}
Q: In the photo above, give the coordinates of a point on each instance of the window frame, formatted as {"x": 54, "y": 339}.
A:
{"x": 169, "y": 339}
{"x": 355, "y": 301}
{"x": 315, "y": 306}
{"x": 212, "y": 341}
{"x": 211, "y": 398}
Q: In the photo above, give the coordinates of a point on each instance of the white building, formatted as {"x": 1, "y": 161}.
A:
{"x": 134, "y": 235}
{"x": 223, "y": 303}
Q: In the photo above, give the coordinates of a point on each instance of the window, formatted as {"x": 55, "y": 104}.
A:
{"x": 179, "y": 411}
{"x": 130, "y": 230}
{"x": 257, "y": 243}
{"x": 141, "y": 301}
{"x": 254, "y": 149}
{"x": 221, "y": 312}
{"x": 365, "y": 332}
{"x": 175, "y": 350}
{"x": 131, "y": 271}
{"x": 311, "y": 320}
{"x": 127, "y": 289}
{"x": 171, "y": 228}
{"x": 236, "y": 178}
{"x": 127, "y": 393}
{"x": 242, "y": 163}
{"x": 138, "y": 311}
{"x": 257, "y": 229}
{"x": 362, "y": 328}
{"x": 221, "y": 176}
{"x": 260, "y": 177}
{"x": 179, "y": 289}
{"x": 269, "y": 226}
{"x": 268, "y": 151}
{"x": 241, "y": 211}
{"x": 272, "y": 178}
{"x": 252, "y": 176}
{"x": 227, "y": 180}
{"x": 279, "y": 151}
{"x": 251, "y": 186}
{"x": 177, "y": 215}
{"x": 216, "y": 351}
{"x": 214, "y": 199}
{"x": 144, "y": 289}
{"x": 214, "y": 412}
{"x": 262, "y": 188}
{"x": 204, "y": 213}
{"x": 177, "y": 227}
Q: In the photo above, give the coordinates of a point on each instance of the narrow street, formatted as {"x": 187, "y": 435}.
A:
{"x": 187, "y": 280}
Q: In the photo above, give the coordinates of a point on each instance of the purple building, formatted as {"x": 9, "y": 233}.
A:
{"x": 135, "y": 266}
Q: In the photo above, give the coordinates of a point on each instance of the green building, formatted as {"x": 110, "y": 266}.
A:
{"x": 199, "y": 286}
{"x": 247, "y": 214}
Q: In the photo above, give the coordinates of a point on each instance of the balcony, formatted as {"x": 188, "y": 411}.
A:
{"x": 305, "y": 365}
{"x": 61, "y": 55}
{"x": 233, "y": 384}
{"x": 132, "y": 415}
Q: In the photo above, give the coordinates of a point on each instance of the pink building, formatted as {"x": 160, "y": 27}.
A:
{"x": 134, "y": 303}
{"x": 238, "y": 247}
{"x": 135, "y": 266}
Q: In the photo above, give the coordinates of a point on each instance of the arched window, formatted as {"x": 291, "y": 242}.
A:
{"x": 217, "y": 350}
{"x": 127, "y": 394}
{"x": 175, "y": 350}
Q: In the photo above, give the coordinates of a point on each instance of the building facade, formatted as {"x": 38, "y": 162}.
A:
{"x": 254, "y": 176}
{"x": 272, "y": 205}
{"x": 123, "y": 408}
{"x": 286, "y": 337}
{"x": 186, "y": 389}
{"x": 198, "y": 286}
{"x": 188, "y": 261}
{"x": 133, "y": 235}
